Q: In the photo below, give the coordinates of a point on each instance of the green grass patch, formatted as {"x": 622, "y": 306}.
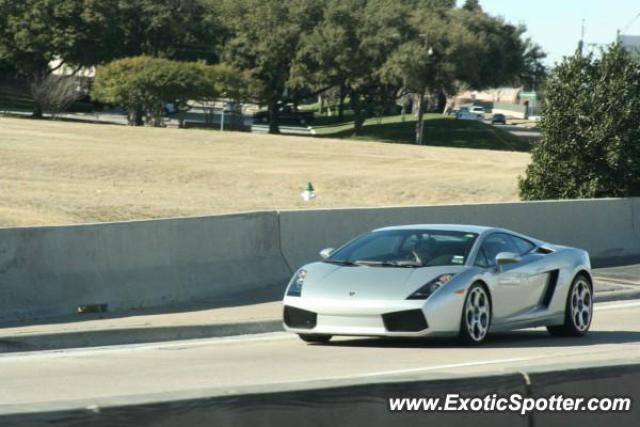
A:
{"x": 439, "y": 131}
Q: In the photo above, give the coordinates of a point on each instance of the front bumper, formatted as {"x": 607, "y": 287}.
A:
{"x": 404, "y": 318}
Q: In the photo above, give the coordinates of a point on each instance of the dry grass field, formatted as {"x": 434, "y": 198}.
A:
{"x": 60, "y": 173}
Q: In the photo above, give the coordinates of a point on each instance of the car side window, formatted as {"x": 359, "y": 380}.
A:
{"x": 524, "y": 246}
{"x": 494, "y": 244}
{"x": 481, "y": 259}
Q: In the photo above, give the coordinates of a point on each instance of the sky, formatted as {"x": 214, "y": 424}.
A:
{"x": 555, "y": 24}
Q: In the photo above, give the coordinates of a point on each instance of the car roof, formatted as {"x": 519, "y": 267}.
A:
{"x": 479, "y": 229}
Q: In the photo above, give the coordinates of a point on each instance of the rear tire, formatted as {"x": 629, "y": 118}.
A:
{"x": 314, "y": 338}
{"x": 578, "y": 311}
{"x": 476, "y": 315}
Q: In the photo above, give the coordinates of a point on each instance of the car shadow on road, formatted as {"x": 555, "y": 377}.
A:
{"x": 517, "y": 339}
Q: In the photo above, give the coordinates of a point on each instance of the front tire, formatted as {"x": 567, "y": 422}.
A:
{"x": 578, "y": 311}
{"x": 314, "y": 338}
{"x": 476, "y": 315}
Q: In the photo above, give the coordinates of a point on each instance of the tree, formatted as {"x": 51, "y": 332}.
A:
{"x": 31, "y": 34}
{"x": 6, "y": 69}
{"x": 534, "y": 71}
{"x": 590, "y": 130}
{"x": 90, "y": 32}
{"x": 145, "y": 84}
{"x": 230, "y": 82}
{"x": 184, "y": 30}
{"x": 422, "y": 60}
{"x": 347, "y": 50}
{"x": 329, "y": 55}
{"x": 34, "y": 33}
{"x": 472, "y": 5}
{"x": 263, "y": 39}
{"x": 78, "y": 33}
{"x": 447, "y": 48}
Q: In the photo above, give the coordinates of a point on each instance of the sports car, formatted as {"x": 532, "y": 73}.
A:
{"x": 440, "y": 280}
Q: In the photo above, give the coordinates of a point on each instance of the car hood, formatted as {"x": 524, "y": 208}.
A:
{"x": 331, "y": 281}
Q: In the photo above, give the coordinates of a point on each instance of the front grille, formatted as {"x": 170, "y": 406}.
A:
{"x": 405, "y": 321}
{"x": 298, "y": 318}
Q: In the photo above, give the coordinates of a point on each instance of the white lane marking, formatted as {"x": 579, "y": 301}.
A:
{"x": 186, "y": 344}
{"x": 547, "y": 356}
{"x": 434, "y": 368}
{"x": 203, "y": 342}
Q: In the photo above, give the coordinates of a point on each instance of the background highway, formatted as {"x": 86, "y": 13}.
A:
{"x": 129, "y": 373}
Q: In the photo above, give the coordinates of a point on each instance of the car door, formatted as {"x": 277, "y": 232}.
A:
{"x": 537, "y": 270}
{"x": 514, "y": 292}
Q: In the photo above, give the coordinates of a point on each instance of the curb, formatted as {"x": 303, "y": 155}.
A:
{"x": 108, "y": 337}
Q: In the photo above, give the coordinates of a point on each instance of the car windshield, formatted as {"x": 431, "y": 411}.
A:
{"x": 406, "y": 248}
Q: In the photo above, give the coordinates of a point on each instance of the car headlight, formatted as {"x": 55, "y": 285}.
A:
{"x": 426, "y": 291}
{"x": 295, "y": 285}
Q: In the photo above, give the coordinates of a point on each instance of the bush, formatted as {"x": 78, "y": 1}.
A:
{"x": 145, "y": 84}
{"x": 54, "y": 94}
{"x": 591, "y": 130}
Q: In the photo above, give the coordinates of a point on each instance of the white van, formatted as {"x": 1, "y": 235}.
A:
{"x": 468, "y": 115}
{"x": 477, "y": 109}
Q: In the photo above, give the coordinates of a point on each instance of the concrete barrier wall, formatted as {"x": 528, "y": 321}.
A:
{"x": 354, "y": 405}
{"x": 363, "y": 404}
{"x": 604, "y": 381}
{"x": 608, "y": 228}
{"x": 49, "y": 271}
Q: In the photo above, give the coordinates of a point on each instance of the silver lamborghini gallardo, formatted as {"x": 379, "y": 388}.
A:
{"x": 440, "y": 280}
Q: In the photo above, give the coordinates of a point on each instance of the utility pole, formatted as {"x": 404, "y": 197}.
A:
{"x": 628, "y": 25}
{"x": 581, "y": 42}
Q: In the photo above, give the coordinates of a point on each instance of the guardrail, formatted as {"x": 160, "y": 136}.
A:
{"x": 51, "y": 271}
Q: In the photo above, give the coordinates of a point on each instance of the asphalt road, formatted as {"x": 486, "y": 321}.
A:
{"x": 521, "y": 131}
{"x": 97, "y": 376}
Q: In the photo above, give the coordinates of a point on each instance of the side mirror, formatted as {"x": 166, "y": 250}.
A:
{"x": 504, "y": 258}
{"x": 326, "y": 253}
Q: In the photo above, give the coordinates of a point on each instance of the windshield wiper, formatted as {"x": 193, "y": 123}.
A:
{"x": 400, "y": 264}
{"x": 339, "y": 261}
{"x": 371, "y": 263}
{"x": 367, "y": 262}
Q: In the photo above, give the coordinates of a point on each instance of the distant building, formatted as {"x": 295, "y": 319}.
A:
{"x": 66, "y": 70}
{"x": 503, "y": 94}
{"x": 511, "y": 101}
{"x": 630, "y": 42}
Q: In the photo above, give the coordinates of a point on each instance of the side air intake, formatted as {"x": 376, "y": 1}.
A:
{"x": 552, "y": 282}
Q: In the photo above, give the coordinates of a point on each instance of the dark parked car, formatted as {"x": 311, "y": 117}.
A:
{"x": 498, "y": 119}
{"x": 286, "y": 115}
